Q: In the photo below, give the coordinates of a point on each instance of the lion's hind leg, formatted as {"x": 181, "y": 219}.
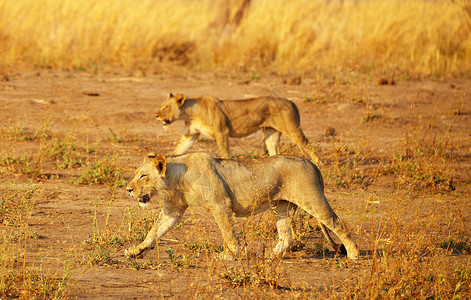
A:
{"x": 338, "y": 248}
{"x": 272, "y": 137}
{"x": 338, "y": 227}
{"x": 316, "y": 205}
{"x": 284, "y": 211}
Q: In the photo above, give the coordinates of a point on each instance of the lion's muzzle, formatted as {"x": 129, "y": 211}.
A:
{"x": 166, "y": 122}
{"x": 144, "y": 199}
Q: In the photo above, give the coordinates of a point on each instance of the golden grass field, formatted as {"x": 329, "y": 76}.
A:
{"x": 409, "y": 38}
{"x": 384, "y": 93}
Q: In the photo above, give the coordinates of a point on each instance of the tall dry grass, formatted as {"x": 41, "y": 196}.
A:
{"x": 417, "y": 37}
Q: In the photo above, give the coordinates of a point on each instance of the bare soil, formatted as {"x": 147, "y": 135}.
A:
{"x": 115, "y": 115}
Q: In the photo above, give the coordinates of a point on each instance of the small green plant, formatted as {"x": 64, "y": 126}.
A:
{"x": 23, "y": 165}
{"x": 459, "y": 246}
{"x": 204, "y": 247}
{"x": 181, "y": 224}
{"x": 119, "y": 139}
{"x": 315, "y": 100}
{"x": 103, "y": 171}
{"x": 142, "y": 227}
{"x": 267, "y": 232}
{"x": 42, "y": 132}
{"x": 236, "y": 277}
{"x": 204, "y": 140}
{"x": 318, "y": 249}
{"x": 65, "y": 153}
{"x": 16, "y": 204}
{"x": 16, "y": 133}
{"x": 133, "y": 263}
{"x": 370, "y": 117}
{"x": 177, "y": 261}
{"x": 357, "y": 100}
{"x": 115, "y": 138}
{"x": 101, "y": 255}
{"x": 171, "y": 255}
{"x": 255, "y": 75}
{"x": 340, "y": 264}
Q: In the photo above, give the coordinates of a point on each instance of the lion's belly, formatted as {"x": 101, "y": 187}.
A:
{"x": 243, "y": 130}
{"x": 245, "y": 125}
{"x": 249, "y": 197}
{"x": 197, "y": 127}
{"x": 252, "y": 185}
{"x": 250, "y": 209}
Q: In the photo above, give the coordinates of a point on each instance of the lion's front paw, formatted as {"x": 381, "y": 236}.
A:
{"x": 130, "y": 252}
{"x": 135, "y": 252}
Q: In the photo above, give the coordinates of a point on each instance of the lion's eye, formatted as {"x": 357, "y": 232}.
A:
{"x": 142, "y": 176}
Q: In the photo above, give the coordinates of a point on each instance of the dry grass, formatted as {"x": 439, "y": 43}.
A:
{"x": 23, "y": 275}
{"x": 407, "y": 259}
{"x": 416, "y": 246}
{"x": 413, "y": 38}
{"x": 410, "y": 261}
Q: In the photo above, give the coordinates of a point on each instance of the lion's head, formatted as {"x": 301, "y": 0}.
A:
{"x": 170, "y": 110}
{"x": 149, "y": 178}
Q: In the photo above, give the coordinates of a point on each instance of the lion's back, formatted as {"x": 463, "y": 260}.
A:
{"x": 272, "y": 172}
{"x": 249, "y": 183}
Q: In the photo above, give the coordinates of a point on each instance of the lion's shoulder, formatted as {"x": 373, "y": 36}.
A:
{"x": 207, "y": 101}
{"x": 194, "y": 161}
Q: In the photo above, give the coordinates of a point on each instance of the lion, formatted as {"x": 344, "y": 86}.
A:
{"x": 241, "y": 188}
{"x": 234, "y": 118}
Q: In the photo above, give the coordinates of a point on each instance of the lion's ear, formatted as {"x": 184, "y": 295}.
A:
{"x": 149, "y": 156}
{"x": 180, "y": 99}
{"x": 160, "y": 163}
{"x": 170, "y": 95}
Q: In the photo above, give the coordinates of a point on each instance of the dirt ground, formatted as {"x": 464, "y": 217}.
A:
{"x": 115, "y": 115}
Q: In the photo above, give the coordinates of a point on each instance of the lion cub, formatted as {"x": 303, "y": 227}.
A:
{"x": 240, "y": 188}
{"x": 234, "y": 118}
